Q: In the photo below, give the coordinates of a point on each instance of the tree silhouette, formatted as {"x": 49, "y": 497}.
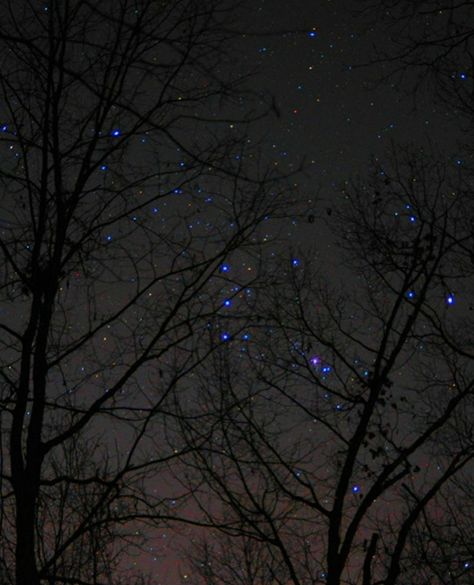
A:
{"x": 341, "y": 431}
{"x": 429, "y": 45}
{"x": 126, "y": 190}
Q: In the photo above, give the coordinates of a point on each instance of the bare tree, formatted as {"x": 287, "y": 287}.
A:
{"x": 128, "y": 183}
{"x": 428, "y": 45}
{"x": 228, "y": 560}
{"x": 340, "y": 429}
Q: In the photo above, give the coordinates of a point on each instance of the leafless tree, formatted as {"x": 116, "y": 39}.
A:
{"x": 428, "y": 44}
{"x": 342, "y": 426}
{"x": 128, "y": 183}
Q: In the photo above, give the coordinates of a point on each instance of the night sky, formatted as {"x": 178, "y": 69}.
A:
{"x": 332, "y": 116}
{"x": 338, "y": 110}
{"x": 335, "y": 112}
{"x": 332, "y": 110}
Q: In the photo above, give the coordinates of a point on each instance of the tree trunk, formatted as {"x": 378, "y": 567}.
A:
{"x": 25, "y": 571}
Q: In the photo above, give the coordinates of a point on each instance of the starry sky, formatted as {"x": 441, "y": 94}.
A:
{"x": 334, "y": 113}
{"x": 331, "y": 114}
